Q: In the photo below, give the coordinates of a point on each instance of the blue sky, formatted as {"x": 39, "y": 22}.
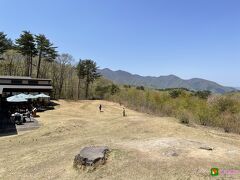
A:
{"x": 188, "y": 38}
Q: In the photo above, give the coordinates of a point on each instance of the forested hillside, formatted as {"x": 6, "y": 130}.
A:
{"x": 163, "y": 82}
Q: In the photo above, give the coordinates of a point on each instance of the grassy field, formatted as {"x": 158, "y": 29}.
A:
{"x": 142, "y": 146}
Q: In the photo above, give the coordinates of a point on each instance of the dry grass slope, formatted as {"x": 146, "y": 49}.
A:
{"x": 143, "y": 146}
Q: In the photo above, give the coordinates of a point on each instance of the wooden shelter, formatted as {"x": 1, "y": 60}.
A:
{"x": 12, "y": 85}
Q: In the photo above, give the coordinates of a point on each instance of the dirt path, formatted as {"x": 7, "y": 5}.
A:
{"x": 143, "y": 146}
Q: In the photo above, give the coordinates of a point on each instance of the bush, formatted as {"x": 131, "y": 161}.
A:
{"x": 202, "y": 94}
{"x": 127, "y": 86}
{"x": 175, "y": 93}
{"x": 204, "y": 116}
{"x": 114, "y": 89}
{"x": 101, "y": 91}
{"x": 230, "y": 122}
{"x": 184, "y": 117}
{"x": 225, "y": 104}
{"x": 140, "y": 88}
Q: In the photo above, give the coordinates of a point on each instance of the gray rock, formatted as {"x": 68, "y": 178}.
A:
{"x": 91, "y": 156}
{"x": 171, "y": 153}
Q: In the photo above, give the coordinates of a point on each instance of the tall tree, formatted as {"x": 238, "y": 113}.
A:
{"x": 90, "y": 73}
{"x": 80, "y": 74}
{"x": 63, "y": 61}
{"x": 5, "y": 43}
{"x": 45, "y": 50}
{"x": 11, "y": 56}
{"x": 27, "y": 47}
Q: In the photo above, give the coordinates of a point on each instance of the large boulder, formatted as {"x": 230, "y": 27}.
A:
{"x": 91, "y": 156}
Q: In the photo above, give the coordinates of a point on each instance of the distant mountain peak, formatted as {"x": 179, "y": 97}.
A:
{"x": 163, "y": 82}
{"x": 172, "y": 75}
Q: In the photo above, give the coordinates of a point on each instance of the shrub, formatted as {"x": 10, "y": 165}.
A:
{"x": 126, "y": 86}
{"x": 184, "y": 117}
{"x": 225, "y": 104}
{"x": 167, "y": 110}
{"x": 101, "y": 91}
{"x": 204, "y": 116}
{"x": 140, "y": 88}
{"x": 229, "y": 122}
{"x": 114, "y": 89}
{"x": 202, "y": 94}
{"x": 175, "y": 93}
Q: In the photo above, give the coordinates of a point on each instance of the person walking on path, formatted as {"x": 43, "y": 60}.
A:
{"x": 100, "y": 108}
{"x": 124, "y": 112}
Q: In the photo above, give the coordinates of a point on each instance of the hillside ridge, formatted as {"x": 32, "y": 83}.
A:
{"x": 163, "y": 82}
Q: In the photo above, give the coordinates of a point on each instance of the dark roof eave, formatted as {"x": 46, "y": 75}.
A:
{"x": 22, "y": 78}
{"x": 2, "y": 87}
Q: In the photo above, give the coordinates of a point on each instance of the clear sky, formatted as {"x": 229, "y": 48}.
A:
{"x": 188, "y": 38}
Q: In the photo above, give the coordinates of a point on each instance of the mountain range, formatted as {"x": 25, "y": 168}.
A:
{"x": 163, "y": 82}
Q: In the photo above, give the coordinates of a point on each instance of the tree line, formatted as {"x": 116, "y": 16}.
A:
{"x": 37, "y": 57}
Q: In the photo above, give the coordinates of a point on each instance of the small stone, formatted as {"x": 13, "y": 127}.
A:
{"x": 174, "y": 154}
{"x": 206, "y": 148}
{"x": 171, "y": 153}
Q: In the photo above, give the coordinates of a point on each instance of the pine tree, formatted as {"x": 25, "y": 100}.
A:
{"x": 27, "y": 47}
{"x": 87, "y": 70}
{"x": 45, "y": 50}
{"x": 80, "y": 74}
{"x": 5, "y": 43}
